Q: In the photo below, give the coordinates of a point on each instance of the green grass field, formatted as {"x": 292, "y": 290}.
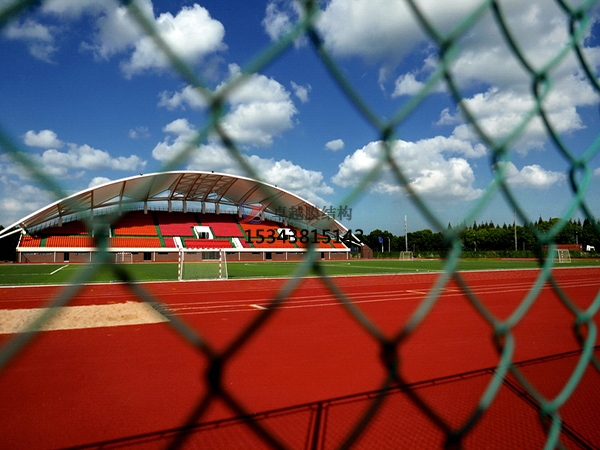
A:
{"x": 40, "y": 274}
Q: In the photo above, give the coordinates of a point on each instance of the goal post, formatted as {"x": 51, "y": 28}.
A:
{"x": 202, "y": 264}
{"x": 124, "y": 258}
{"x": 406, "y": 256}
{"x": 562, "y": 255}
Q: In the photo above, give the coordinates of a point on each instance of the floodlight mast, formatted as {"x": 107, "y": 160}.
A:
{"x": 406, "y": 232}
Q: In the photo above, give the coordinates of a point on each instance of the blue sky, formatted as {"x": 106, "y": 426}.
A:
{"x": 88, "y": 97}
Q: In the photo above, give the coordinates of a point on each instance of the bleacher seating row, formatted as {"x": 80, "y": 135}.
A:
{"x": 136, "y": 224}
{"x": 160, "y": 229}
{"x": 176, "y": 223}
{"x": 30, "y": 241}
{"x": 87, "y": 241}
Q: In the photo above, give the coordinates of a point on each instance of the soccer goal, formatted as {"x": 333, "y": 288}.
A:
{"x": 124, "y": 258}
{"x": 406, "y": 256}
{"x": 205, "y": 264}
{"x": 562, "y": 256}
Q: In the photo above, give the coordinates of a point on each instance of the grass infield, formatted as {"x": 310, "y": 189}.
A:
{"x": 40, "y": 274}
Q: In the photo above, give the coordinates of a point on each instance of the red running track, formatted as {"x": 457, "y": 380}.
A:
{"x": 82, "y": 387}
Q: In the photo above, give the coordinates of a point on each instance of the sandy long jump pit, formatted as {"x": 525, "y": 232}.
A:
{"x": 77, "y": 317}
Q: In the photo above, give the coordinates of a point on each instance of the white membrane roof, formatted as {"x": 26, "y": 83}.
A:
{"x": 183, "y": 190}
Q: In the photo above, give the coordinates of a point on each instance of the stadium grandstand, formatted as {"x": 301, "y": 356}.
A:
{"x": 154, "y": 217}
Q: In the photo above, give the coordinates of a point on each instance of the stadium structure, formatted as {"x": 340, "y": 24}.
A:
{"x": 154, "y": 217}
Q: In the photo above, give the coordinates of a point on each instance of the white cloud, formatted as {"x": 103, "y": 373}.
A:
{"x": 97, "y": 181}
{"x": 276, "y": 22}
{"x": 532, "y": 176}
{"x": 43, "y": 139}
{"x": 140, "y": 132}
{"x": 305, "y": 183}
{"x": 17, "y": 199}
{"x": 335, "y": 145}
{"x": 257, "y": 123}
{"x": 117, "y": 31}
{"x": 408, "y": 84}
{"x": 191, "y": 34}
{"x": 301, "y": 91}
{"x": 285, "y": 174}
{"x": 38, "y": 37}
{"x": 429, "y": 172}
{"x": 183, "y": 131}
{"x": 189, "y": 96}
{"x": 499, "y": 112}
{"x": 19, "y": 195}
{"x": 379, "y": 29}
{"x": 493, "y": 82}
{"x": 84, "y": 157}
{"x": 72, "y": 9}
{"x": 256, "y": 88}
{"x": 280, "y": 17}
{"x": 260, "y": 108}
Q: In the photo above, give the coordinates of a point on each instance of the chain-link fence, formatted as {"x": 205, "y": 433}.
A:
{"x": 448, "y": 44}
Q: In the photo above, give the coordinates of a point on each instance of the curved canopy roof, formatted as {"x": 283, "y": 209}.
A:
{"x": 187, "y": 188}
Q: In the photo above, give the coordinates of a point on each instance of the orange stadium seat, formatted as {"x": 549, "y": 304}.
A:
{"x": 136, "y": 224}
{"x": 176, "y": 223}
{"x": 30, "y": 241}
{"x": 70, "y": 241}
{"x": 133, "y": 242}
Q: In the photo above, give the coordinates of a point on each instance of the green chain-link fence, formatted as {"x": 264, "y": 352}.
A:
{"x": 448, "y": 45}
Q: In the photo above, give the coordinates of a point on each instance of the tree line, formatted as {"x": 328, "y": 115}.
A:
{"x": 488, "y": 237}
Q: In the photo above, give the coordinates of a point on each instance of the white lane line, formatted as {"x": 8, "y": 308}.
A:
{"x": 255, "y": 306}
{"x": 60, "y": 268}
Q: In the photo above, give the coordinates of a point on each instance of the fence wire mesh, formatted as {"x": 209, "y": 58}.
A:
{"x": 448, "y": 46}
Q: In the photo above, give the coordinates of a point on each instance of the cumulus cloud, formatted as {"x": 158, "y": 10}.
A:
{"x": 38, "y": 37}
{"x": 431, "y": 173}
{"x": 500, "y": 112}
{"x": 301, "y": 91}
{"x": 495, "y": 86}
{"x": 408, "y": 84}
{"x": 277, "y": 22}
{"x": 335, "y": 145}
{"x": 188, "y": 96}
{"x": 43, "y": 139}
{"x": 80, "y": 158}
{"x": 211, "y": 156}
{"x": 383, "y": 30}
{"x": 140, "y": 132}
{"x": 168, "y": 148}
{"x": 18, "y": 200}
{"x": 19, "y": 195}
{"x": 532, "y": 176}
{"x": 280, "y": 17}
{"x": 260, "y": 108}
{"x": 191, "y": 34}
{"x": 97, "y": 181}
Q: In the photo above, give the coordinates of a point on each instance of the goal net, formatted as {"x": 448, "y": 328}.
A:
{"x": 562, "y": 256}
{"x": 406, "y": 256}
{"x": 205, "y": 264}
{"x": 124, "y": 257}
